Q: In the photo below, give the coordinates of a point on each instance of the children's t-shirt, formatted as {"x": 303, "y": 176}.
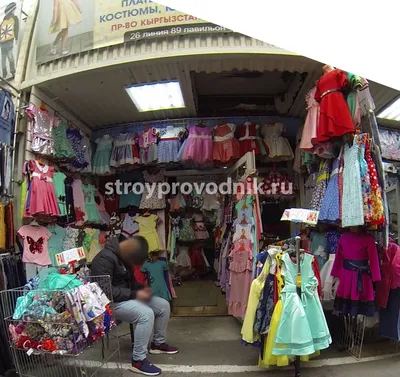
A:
{"x": 35, "y": 244}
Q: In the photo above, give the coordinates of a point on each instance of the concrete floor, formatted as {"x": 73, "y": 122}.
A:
{"x": 212, "y": 345}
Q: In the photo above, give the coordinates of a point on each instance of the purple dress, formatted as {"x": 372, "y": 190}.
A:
{"x": 357, "y": 267}
{"x": 75, "y": 138}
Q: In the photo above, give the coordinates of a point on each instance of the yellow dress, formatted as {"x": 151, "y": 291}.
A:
{"x": 68, "y": 14}
{"x": 148, "y": 230}
{"x": 257, "y": 286}
{"x": 268, "y": 358}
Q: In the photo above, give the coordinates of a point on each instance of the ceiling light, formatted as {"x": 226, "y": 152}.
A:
{"x": 157, "y": 96}
{"x": 391, "y": 112}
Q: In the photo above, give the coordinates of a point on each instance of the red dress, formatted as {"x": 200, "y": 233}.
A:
{"x": 335, "y": 118}
{"x": 249, "y": 139}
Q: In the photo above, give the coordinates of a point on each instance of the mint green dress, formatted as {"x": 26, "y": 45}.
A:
{"x": 302, "y": 329}
{"x": 156, "y": 274}
{"x": 90, "y": 204}
{"x": 62, "y": 146}
{"x": 59, "y": 187}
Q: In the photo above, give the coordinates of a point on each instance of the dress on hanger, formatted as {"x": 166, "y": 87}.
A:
{"x": 200, "y": 229}
{"x": 41, "y": 130}
{"x": 250, "y": 141}
{"x": 55, "y": 242}
{"x": 148, "y": 230}
{"x": 352, "y": 201}
{"x": 62, "y": 147}
{"x": 226, "y": 146}
{"x": 183, "y": 258}
{"x": 377, "y": 211}
{"x": 309, "y": 136}
{"x": 278, "y": 146}
{"x": 357, "y": 267}
{"x": 148, "y": 146}
{"x": 155, "y": 272}
{"x": 129, "y": 226}
{"x": 94, "y": 246}
{"x": 59, "y": 187}
{"x": 186, "y": 232}
{"x": 101, "y": 207}
{"x": 124, "y": 151}
{"x": 199, "y": 145}
{"x": 102, "y": 156}
{"x": 42, "y": 193}
{"x": 302, "y": 329}
{"x": 156, "y": 200}
{"x": 90, "y": 204}
{"x": 321, "y": 185}
{"x": 79, "y": 202}
{"x": 169, "y": 144}
{"x": 75, "y": 138}
{"x": 334, "y": 118}
{"x": 329, "y": 211}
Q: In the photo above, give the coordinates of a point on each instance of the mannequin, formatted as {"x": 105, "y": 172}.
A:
{"x": 335, "y": 119}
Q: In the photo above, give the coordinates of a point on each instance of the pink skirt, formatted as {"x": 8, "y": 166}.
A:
{"x": 198, "y": 150}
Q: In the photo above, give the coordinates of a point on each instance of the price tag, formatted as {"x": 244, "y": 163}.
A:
{"x": 300, "y": 215}
{"x": 71, "y": 255}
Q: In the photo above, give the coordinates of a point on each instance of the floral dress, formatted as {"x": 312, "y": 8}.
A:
{"x": 187, "y": 232}
{"x": 365, "y": 180}
{"x": 377, "y": 212}
{"x": 156, "y": 200}
{"x": 320, "y": 188}
{"x": 62, "y": 146}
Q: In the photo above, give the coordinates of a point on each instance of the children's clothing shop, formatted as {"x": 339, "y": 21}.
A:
{"x": 303, "y": 133}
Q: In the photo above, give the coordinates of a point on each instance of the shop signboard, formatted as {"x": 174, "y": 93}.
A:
{"x": 67, "y": 27}
{"x": 10, "y": 33}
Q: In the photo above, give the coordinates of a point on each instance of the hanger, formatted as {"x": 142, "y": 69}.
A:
{"x": 34, "y": 223}
{"x": 43, "y": 106}
{"x": 40, "y": 161}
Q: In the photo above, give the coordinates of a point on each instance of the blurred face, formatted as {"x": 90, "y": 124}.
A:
{"x": 134, "y": 251}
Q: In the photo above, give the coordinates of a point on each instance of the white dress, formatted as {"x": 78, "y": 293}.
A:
{"x": 183, "y": 258}
{"x": 279, "y": 147}
{"x": 328, "y": 282}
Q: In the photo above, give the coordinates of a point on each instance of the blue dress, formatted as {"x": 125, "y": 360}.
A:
{"x": 352, "y": 201}
{"x": 302, "y": 329}
{"x": 329, "y": 212}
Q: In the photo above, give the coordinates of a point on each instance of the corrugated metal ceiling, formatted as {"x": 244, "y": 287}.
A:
{"x": 98, "y": 97}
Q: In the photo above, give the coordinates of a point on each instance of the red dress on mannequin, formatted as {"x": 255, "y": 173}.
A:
{"x": 335, "y": 118}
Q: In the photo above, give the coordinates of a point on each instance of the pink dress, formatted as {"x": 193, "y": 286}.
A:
{"x": 357, "y": 267}
{"x": 199, "y": 145}
{"x": 240, "y": 277}
{"x": 43, "y": 196}
{"x": 309, "y": 137}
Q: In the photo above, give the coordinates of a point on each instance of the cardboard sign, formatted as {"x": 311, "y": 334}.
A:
{"x": 300, "y": 215}
{"x": 69, "y": 256}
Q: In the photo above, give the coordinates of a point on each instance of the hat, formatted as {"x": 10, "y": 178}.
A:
{"x": 10, "y": 8}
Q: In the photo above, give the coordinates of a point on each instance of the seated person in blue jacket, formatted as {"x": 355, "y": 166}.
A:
{"x": 134, "y": 303}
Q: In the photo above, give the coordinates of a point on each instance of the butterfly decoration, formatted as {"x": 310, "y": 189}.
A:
{"x": 35, "y": 246}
